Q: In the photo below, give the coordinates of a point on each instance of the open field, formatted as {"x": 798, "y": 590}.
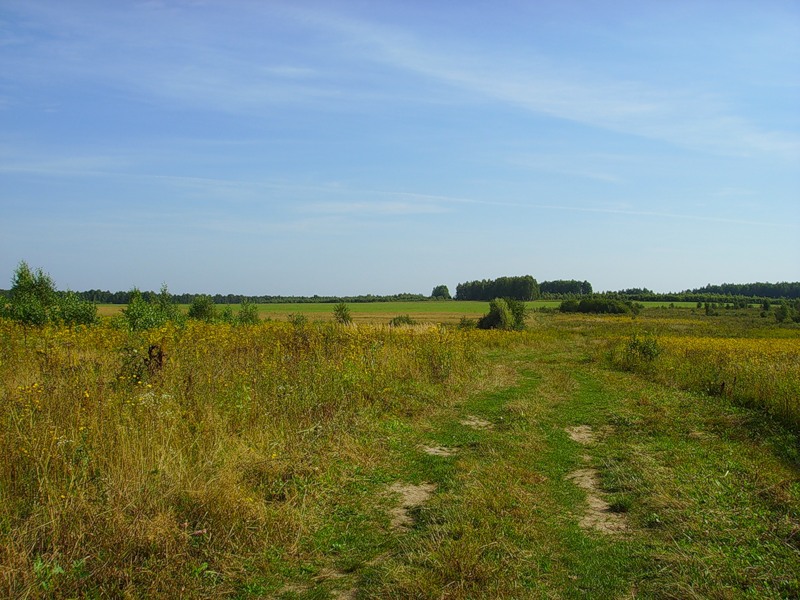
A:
{"x": 382, "y": 312}
{"x": 590, "y": 456}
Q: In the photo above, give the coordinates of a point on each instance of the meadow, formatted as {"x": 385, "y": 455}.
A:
{"x": 383, "y": 312}
{"x": 588, "y": 456}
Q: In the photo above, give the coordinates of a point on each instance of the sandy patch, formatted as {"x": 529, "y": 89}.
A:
{"x": 700, "y": 435}
{"x": 583, "y": 434}
{"x": 438, "y": 450}
{"x": 328, "y": 573}
{"x": 598, "y": 516}
{"x": 411, "y": 496}
{"x": 476, "y": 422}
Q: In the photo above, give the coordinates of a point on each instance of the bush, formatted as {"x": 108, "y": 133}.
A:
{"x": 141, "y": 314}
{"x": 74, "y": 311}
{"x": 203, "y": 308}
{"x": 402, "y": 320}
{"x": 298, "y": 319}
{"x": 600, "y": 306}
{"x": 33, "y": 300}
{"x": 504, "y": 313}
{"x": 341, "y": 314}
{"x": 467, "y": 323}
{"x": 248, "y": 313}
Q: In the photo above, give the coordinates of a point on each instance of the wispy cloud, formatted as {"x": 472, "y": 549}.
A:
{"x": 181, "y": 59}
{"x": 691, "y": 116}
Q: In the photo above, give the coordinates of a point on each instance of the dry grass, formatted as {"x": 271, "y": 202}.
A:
{"x": 123, "y": 473}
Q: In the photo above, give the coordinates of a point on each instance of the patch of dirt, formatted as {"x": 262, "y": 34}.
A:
{"x": 583, "y": 434}
{"x": 411, "y": 496}
{"x": 476, "y": 422}
{"x": 700, "y": 435}
{"x": 346, "y": 594}
{"x": 598, "y": 516}
{"x": 327, "y": 573}
{"x": 438, "y": 450}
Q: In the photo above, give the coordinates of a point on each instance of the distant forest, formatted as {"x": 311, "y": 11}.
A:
{"x": 520, "y": 288}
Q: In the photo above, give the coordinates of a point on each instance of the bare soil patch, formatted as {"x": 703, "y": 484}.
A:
{"x": 598, "y": 515}
{"x": 476, "y": 422}
{"x": 438, "y": 450}
{"x": 583, "y": 434}
{"x": 411, "y": 496}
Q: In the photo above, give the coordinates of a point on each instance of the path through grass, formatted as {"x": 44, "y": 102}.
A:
{"x": 703, "y": 498}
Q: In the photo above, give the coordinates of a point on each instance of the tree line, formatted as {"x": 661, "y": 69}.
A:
{"x": 783, "y": 289}
{"x": 522, "y": 288}
{"x": 565, "y": 287}
{"x": 106, "y": 297}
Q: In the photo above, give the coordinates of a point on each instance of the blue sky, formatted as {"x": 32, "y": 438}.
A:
{"x": 349, "y": 147}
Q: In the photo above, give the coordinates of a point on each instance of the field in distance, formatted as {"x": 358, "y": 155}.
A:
{"x": 382, "y": 312}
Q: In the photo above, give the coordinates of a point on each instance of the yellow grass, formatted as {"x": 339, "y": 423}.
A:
{"x": 123, "y": 471}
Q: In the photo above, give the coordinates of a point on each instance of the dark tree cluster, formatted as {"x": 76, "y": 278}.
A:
{"x": 600, "y": 305}
{"x": 565, "y": 287}
{"x": 522, "y": 288}
{"x": 784, "y": 289}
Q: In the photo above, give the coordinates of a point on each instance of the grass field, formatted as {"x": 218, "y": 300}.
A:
{"x": 383, "y": 312}
{"x": 589, "y": 456}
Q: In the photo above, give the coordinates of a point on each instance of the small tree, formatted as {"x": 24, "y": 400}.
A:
{"x": 141, "y": 314}
{"x": 33, "y": 300}
{"x": 440, "y": 292}
{"x": 74, "y": 311}
{"x": 498, "y": 317}
{"x": 783, "y": 312}
{"x": 32, "y": 296}
{"x": 341, "y": 313}
{"x": 202, "y": 308}
{"x": 248, "y": 313}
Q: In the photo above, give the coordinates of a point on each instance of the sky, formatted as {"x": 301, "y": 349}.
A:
{"x": 347, "y": 147}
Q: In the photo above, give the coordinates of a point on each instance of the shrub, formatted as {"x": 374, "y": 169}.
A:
{"x": 298, "y": 319}
{"x": 74, "y": 311}
{"x": 341, "y": 314}
{"x": 467, "y": 323}
{"x": 402, "y": 320}
{"x": 505, "y": 314}
{"x": 640, "y": 352}
{"x": 203, "y": 308}
{"x": 141, "y": 314}
{"x": 248, "y": 313}
{"x": 33, "y": 300}
{"x": 599, "y": 305}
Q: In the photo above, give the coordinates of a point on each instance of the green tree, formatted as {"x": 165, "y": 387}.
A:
{"x": 74, "y": 311}
{"x": 440, "y": 292}
{"x": 33, "y": 300}
{"x": 202, "y": 308}
{"x": 32, "y": 296}
{"x": 502, "y": 316}
{"x": 248, "y": 313}
{"x": 783, "y": 312}
{"x": 143, "y": 314}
